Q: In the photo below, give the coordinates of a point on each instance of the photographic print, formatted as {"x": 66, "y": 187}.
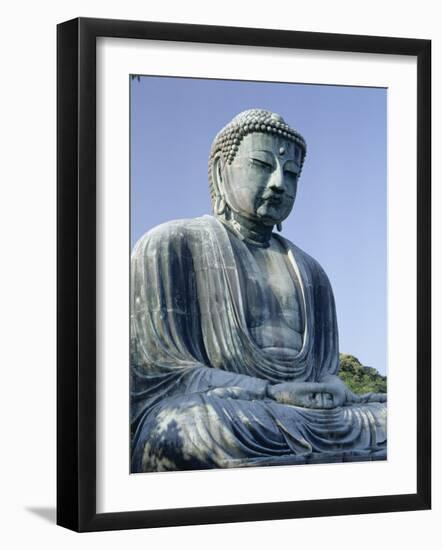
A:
{"x": 258, "y": 274}
{"x": 243, "y": 270}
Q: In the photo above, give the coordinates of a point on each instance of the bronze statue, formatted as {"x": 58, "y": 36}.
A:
{"x": 234, "y": 340}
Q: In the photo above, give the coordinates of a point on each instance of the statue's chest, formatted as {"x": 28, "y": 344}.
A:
{"x": 271, "y": 277}
{"x": 270, "y": 293}
{"x": 271, "y": 289}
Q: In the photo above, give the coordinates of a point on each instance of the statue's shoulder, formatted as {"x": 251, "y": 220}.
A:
{"x": 173, "y": 232}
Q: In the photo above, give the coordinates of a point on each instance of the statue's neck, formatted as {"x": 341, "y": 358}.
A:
{"x": 249, "y": 230}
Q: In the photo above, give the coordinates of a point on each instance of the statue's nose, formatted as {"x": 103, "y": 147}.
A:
{"x": 276, "y": 183}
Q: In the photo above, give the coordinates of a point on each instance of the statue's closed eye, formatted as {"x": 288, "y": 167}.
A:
{"x": 291, "y": 173}
{"x": 291, "y": 169}
{"x": 260, "y": 163}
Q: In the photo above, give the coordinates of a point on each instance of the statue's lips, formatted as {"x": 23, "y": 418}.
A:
{"x": 273, "y": 200}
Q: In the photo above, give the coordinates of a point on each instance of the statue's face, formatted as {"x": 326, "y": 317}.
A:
{"x": 262, "y": 180}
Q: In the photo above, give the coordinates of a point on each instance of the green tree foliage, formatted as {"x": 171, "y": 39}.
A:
{"x": 358, "y": 378}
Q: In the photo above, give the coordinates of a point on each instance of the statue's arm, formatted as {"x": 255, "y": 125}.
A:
{"x": 166, "y": 332}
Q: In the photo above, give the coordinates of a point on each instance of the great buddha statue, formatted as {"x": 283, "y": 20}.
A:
{"x": 234, "y": 339}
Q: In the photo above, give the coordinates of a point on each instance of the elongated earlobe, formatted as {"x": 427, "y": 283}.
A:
{"x": 279, "y": 226}
{"x": 220, "y": 205}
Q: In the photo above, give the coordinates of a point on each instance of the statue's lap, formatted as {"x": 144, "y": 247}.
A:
{"x": 199, "y": 431}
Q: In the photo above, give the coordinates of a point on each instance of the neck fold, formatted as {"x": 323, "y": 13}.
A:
{"x": 248, "y": 230}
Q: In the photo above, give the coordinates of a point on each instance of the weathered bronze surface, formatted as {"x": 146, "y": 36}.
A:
{"x": 234, "y": 340}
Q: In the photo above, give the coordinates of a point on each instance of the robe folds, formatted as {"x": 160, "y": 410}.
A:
{"x": 199, "y": 380}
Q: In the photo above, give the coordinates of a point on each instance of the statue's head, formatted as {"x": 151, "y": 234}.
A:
{"x": 254, "y": 166}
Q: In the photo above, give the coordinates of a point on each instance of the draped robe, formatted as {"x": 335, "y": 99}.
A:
{"x": 198, "y": 378}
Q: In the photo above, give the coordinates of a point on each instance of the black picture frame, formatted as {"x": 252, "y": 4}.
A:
{"x": 76, "y": 274}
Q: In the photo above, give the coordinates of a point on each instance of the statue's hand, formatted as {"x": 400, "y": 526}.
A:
{"x": 333, "y": 381}
{"x": 311, "y": 395}
{"x": 327, "y": 394}
{"x": 370, "y": 397}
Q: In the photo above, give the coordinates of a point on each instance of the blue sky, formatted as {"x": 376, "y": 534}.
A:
{"x": 340, "y": 212}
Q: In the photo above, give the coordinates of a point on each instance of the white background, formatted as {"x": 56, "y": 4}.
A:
{"x": 27, "y": 287}
{"x": 116, "y": 490}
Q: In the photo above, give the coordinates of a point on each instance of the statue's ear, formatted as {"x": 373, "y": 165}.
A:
{"x": 217, "y": 174}
{"x": 220, "y": 205}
